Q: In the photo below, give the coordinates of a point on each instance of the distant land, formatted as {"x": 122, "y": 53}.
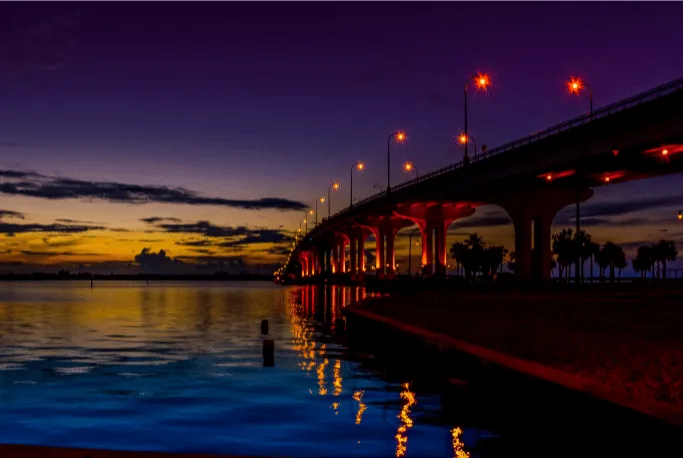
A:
{"x": 63, "y": 275}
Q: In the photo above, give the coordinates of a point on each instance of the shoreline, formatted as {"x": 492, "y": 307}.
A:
{"x": 542, "y": 336}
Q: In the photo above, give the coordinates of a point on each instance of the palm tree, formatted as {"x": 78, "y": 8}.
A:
{"x": 664, "y": 250}
{"x": 459, "y": 253}
{"x": 593, "y": 249}
{"x": 511, "y": 261}
{"x": 644, "y": 259}
{"x": 493, "y": 258}
{"x": 583, "y": 241}
{"x": 613, "y": 256}
{"x": 564, "y": 248}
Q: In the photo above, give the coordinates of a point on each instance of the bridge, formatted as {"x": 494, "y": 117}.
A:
{"x": 532, "y": 179}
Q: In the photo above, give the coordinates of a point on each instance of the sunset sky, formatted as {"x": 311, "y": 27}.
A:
{"x": 205, "y": 130}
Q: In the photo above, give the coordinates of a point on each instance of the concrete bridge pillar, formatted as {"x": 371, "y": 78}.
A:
{"x": 353, "y": 263}
{"x": 361, "y": 257}
{"x": 380, "y": 262}
{"x": 433, "y": 219}
{"x": 532, "y": 214}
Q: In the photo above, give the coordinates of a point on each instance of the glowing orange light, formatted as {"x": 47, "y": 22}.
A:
{"x": 606, "y": 179}
{"x": 665, "y": 152}
{"x": 548, "y": 177}
{"x": 336, "y": 186}
{"x": 408, "y": 166}
{"x": 360, "y": 166}
{"x": 483, "y": 81}
{"x": 400, "y": 136}
{"x": 322, "y": 200}
{"x": 680, "y": 214}
{"x": 575, "y": 85}
{"x": 462, "y": 138}
{"x": 311, "y": 211}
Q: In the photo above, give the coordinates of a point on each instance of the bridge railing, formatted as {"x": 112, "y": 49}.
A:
{"x": 652, "y": 94}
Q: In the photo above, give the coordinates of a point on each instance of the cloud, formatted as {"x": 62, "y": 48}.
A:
{"x": 259, "y": 236}
{"x": 73, "y": 221}
{"x": 57, "y": 188}
{"x": 158, "y": 219}
{"x": 11, "y": 214}
{"x": 12, "y": 229}
{"x": 150, "y": 261}
{"x": 53, "y": 253}
{"x": 206, "y": 229}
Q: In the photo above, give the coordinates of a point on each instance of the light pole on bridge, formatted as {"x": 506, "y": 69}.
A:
{"x": 482, "y": 81}
{"x": 336, "y": 187}
{"x": 409, "y": 167}
{"x": 360, "y": 167}
{"x": 575, "y": 86}
{"x": 322, "y": 201}
{"x": 400, "y": 136}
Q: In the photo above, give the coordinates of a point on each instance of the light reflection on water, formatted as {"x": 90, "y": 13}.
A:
{"x": 178, "y": 367}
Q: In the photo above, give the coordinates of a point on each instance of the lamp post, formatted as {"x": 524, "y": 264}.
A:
{"x": 482, "y": 81}
{"x": 336, "y": 187}
{"x": 410, "y": 250}
{"x": 400, "y": 137}
{"x": 308, "y": 212}
{"x": 464, "y": 139}
{"x": 409, "y": 167}
{"x": 360, "y": 167}
{"x": 322, "y": 201}
{"x": 575, "y": 86}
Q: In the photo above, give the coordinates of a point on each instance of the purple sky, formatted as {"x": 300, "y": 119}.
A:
{"x": 256, "y": 100}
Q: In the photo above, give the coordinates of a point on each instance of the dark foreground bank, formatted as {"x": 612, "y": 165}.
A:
{"x": 627, "y": 350}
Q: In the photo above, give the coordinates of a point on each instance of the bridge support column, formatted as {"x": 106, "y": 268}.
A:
{"x": 380, "y": 261}
{"x": 353, "y": 265}
{"x": 532, "y": 215}
{"x": 433, "y": 219}
{"x": 361, "y": 257}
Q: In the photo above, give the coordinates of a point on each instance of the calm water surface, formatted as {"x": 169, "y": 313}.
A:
{"x": 179, "y": 367}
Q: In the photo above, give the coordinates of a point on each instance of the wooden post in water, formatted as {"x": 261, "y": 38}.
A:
{"x": 268, "y": 353}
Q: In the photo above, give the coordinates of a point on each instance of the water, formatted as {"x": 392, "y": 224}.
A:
{"x": 179, "y": 367}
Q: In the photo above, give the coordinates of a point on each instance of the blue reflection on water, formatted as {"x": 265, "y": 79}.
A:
{"x": 179, "y": 367}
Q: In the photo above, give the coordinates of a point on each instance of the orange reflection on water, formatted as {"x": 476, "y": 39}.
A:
{"x": 337, "y": 380}
{"x": 458, "y": 451}
{"x": 322, "y": 390}
{"x": 406, "y": 422}
{"x": 358, "y": 396}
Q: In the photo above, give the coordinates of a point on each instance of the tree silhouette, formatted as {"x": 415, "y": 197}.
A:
{"x": 474, "y": 256}
{"x": 644, "y": 260}
{"x": 564, "y": 248}
{"x": 459, "y": 253}
{"x": 613, "y": 256}
{"x": 663, "y": 251}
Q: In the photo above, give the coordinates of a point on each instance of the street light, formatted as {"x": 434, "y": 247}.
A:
{"x": 465, "y": 139}
{"x": 360, "y": 167}
{"x": 308, "y": 212}
{"x": 409, "y": 167}
{"x": 680, "y": 214}
{"x": 400, "y": 136}
{"x": 482, "y": 81}
{"x": 322, "y": 201}
{"x": 336, "y": 187}
{"x": 575, "y": 86}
